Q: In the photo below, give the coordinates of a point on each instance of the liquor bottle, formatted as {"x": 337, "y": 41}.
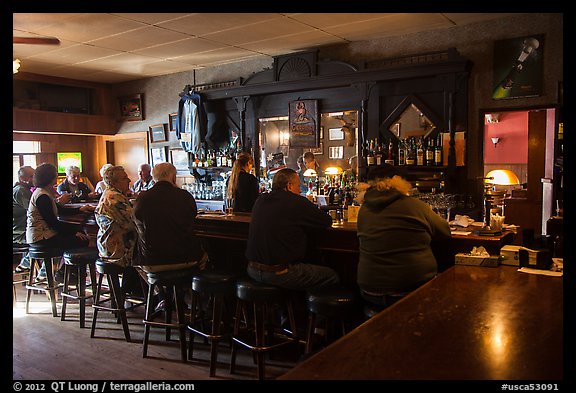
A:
{"x": 390, "y": 158}
{"x": 379, "y": 153}
{"x": 410, "y": 152}
{"x": 219, "y": 157}
{"x": 438, "y": 158}
{"x": 430, "y": 152}
{"x": 209, "y": 159}
{"x": 402, "y": 152}
{"x": 420, "y": 152}
{"x": 370, "y": 159}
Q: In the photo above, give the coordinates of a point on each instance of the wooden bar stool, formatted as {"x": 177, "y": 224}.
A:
{"x": 174, "y": 282}
{"x": 18, "y": 277}
{"x": 333, "y": 304}
{"x": 116, "y": 296}
{"x": 261, "y": 338}
{"x": 216, "y": 286}
{"x": 77, "y": 260}
{"x": 50, "y": 257}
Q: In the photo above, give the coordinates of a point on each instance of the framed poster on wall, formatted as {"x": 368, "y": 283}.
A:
{"x": 303, "y": 123}
{"x": 518, "y": 67}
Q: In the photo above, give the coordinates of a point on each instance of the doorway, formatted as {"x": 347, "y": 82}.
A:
{"x": 522, "y": 141}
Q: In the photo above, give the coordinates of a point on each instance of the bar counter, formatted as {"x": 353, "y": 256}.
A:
{"x": 468, "y": 323}
{"x": 337, "y": 246}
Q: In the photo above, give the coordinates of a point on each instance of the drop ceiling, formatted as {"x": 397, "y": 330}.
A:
{"x": 114, "y": 48}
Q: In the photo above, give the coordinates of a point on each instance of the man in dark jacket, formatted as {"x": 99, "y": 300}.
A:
{"x": 395, "y": 233}
{"x": 278, "y": 238}
{"x": 164, "y": 217}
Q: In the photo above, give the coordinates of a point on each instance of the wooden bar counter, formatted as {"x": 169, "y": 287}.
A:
{"x": 337, "y": 246}
{"x": 468, "y": 323}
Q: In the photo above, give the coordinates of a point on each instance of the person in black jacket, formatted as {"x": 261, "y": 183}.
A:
{"x": 242, "y": 186}
{"x": 278, "y": 249}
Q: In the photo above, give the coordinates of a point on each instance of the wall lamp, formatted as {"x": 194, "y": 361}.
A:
{"x": 495, "y": 140}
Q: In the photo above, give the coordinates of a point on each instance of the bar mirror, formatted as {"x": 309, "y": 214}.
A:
{"x": 411, "y": 123}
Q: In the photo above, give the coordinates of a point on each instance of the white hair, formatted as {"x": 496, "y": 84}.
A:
{"x": 71, "y": 169}
{"x": 104, "y": 167}
{"x": 164, "y": 171}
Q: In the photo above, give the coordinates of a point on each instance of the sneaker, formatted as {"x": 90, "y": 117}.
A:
{"x": 41, "y": 277}
{"x": 20, "y": 269}
{"x": 161, "y": 306}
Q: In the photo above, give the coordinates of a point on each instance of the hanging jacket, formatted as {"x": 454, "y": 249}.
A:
{"x": 191, "y": 122}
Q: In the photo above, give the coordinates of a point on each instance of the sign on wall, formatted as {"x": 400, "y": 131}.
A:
{"x": 303, "y": 123}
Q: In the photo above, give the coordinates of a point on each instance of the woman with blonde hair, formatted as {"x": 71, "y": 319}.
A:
{"x": 101, "y": 185}
{"x": 242, "y": 189}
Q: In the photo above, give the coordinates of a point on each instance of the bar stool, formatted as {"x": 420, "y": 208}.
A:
{"x": 175, "y": 282}
{"x": 77, "y": 260}
{"x": 48, "y": 256}
{"x": 116, "y": 297}
{"x": 332, "y": 303}
{"x": 263, "y": 298}
{"x": 18, "y": 277}
{"x": 216, "y": 286}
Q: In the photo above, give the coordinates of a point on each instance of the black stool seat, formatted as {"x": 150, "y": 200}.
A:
{"x": 48, "y": 256}
{"x": 76, "y": 261}
{"x": 214, "y": 282}
{"x": 45, "y": 252}
{"x": 108, "y": 268}
{"x": 112, "y": 273}
{"x": 330, "y": 303}
{"x": 217, "y": 286}
{"x": 262, "y": 298}
{"x": 177, "y": 282}
{"x": 20, "y": 248}
{"x": 254, "y": 291}
{"x": 80, "y": 256}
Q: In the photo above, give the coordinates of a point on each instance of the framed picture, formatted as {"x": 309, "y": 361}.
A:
{"x": 179, "y": 158}
{"x": 172, "y": 120}
{"x": 335, "y": 134}
{"x": 157, "y": 133}
{"x": 130, "y": 107}
{"x": 518, "y": 67}
{"x": 157, "y": 155}
{"x": 303, "y": 123}
{"x": 336, "y": 152}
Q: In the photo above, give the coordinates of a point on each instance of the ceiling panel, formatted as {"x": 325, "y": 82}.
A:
{"x": 126, "y": 46}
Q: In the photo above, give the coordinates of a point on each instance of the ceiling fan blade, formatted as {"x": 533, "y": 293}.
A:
{"x": 36, "y": 40}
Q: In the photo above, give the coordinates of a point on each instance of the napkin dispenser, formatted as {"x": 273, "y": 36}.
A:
{"x": 535, "y": 259}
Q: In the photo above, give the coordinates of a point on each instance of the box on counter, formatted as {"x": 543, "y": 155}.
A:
{"x": 535, "y": 259}
{"x": 509, "y": 255}
{"x": 476, "y": 260}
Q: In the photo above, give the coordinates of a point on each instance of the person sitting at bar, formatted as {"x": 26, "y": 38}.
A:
{"x": 101, "y": 185}
{"x": 242, "y": 187}
{"x": 164, "y": 217}
{"x": 395, "y": 232}
{"x": 73, "y": 185}
{"x": 21, "y": 194}
{"x": 43, "y": 228}
{"x": 145, "y": 180}
{"x": 278, "y": 237}
{"x": 117, "y": 235}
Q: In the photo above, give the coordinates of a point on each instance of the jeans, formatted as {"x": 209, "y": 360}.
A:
{"x": 299, "y": 277}
{"x": 25, "y": 264}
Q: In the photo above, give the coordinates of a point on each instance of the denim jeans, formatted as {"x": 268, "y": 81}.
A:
{"x": 25, "y": 264}
{"x": 299, "y": 277}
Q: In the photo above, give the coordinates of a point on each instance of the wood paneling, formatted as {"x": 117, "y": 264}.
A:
{"x": 52, "y": 143}
{"x": 43, "y": 121}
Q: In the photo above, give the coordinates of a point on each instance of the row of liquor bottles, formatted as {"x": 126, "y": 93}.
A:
{"x": 217, "y": 157}
{"x": 418, "y": 151}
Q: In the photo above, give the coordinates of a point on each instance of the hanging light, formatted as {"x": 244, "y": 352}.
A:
{"x": 15, "y": 66}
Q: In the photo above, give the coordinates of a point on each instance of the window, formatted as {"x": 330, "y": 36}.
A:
{"x": 23, "y": 154}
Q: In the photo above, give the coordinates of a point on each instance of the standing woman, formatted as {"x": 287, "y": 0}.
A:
{"x": 43, "y": 229}
{"x": 242, "y": 186}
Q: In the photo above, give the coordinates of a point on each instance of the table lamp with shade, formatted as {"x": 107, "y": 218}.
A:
{"x": 496, "y": 183}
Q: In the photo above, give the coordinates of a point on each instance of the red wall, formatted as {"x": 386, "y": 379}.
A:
{"x": 512, "y": 129}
